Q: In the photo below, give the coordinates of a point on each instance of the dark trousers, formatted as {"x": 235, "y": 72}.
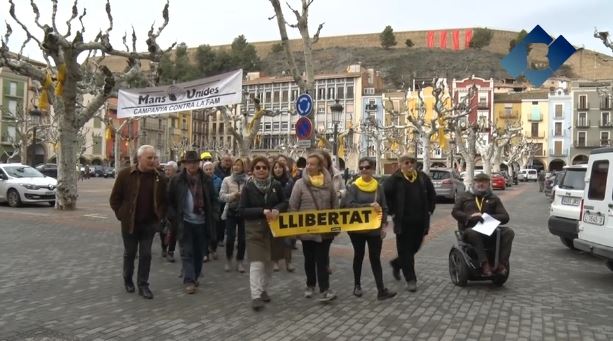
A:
{"x": 141, "y": 241}
{"x": 479, "y": 241}
{"x": 193, "y": 243}
{"x": 315, "y": 266}
{"x": 171, "y": 239}
{"x": 164, "y": 241}
{"x": 407, "y": 244}
{"x": 375, "y": 243}
{"x": 234, "y": 224}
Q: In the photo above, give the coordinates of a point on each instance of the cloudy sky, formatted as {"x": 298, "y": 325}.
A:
{"x": 197, "y": 22}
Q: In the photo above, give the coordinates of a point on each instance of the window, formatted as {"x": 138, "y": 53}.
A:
{"x": 268, "y": 97}
{"x": 184, "y": 124}
{"x": 535, "y": 129}
{"x": 558, "y": 112}
{"x": 573, "y": 179}
{"x": 535, "y": 103}
{"x": 275, "y": 97}
{"x": 321, "y": 93}
{"x": 349, "y": 94}
{"x": 598, "y": 180}
{"x": 331, "y": 93}
{"x": 284, "y": 96}
{"x": 604, "y": 138}
{"x": 605, "y": 119}
{"x": 581, "y": 138}
{"x": 294, "y": 95}
{"x": 482, "y": 119}
{"x": 582, "y": 122}
{"x": 483, "y": 101}
{"x": 558, "y": 129}
{"x": 12, "y": 88}
{"x": 284, "y": 126}
{"x": 557, "y": 148}
{"x": 275, "y": 126}
{"x": 606, "y": 102}
{"x": 267, "y": 126}
{"x": 583, "y": 101}
{"x": 369, "y": 91}
{"x": 340, "y": 92}
{"x": 12, "y": 107}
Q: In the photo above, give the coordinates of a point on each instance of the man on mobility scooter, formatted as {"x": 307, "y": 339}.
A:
{"x": 468, "y": 211}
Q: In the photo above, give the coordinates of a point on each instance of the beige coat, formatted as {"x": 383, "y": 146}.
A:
{"x": 302, "y": 200}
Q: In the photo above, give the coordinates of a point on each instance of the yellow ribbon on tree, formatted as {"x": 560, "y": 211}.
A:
{"x": 341, "y": 146}
{"x": 61, "y": 78}
{"x": 442, "y": 139}
{"x": 43, "y": 99}
{"x": 108, "y": 134}
{"x": 258, "y": 114}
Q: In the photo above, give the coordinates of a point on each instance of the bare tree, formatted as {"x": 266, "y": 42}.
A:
{"x": 604, "y": 36}
{"x": 491, "y": 150}
{"x": 73, "y": 76}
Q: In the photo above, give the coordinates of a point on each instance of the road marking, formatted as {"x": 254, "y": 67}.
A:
{"x": 25, "y": 213}
{"x": 94, "y": 215}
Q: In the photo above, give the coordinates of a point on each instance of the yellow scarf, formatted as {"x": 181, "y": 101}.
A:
{"x": 317, "y": 180}
{"x": 410, "y": 175}
{"x": 369, "y": 186}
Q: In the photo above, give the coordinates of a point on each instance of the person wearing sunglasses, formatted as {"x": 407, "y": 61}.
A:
{"x": 367, "y": 192}
{"x": 411, "y": 200}
{"x": 315, "y": 191}
{"x": 261, "y": 200}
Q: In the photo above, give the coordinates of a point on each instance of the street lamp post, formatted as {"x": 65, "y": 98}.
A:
{"x": 336, "y": 109}
{"x": 35, "y": 114}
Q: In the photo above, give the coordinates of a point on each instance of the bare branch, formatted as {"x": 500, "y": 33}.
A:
{"x": 53, "y": 15}
{"x": 24, "y": 27}
{"x": 316, "y": 36}
{"x": 73, "y": 15}
{"x": 36, "y": 14}
{"x": 123, "y": 40}
{"x": 274, "y": 16}
{"x": 293, "y": 10}
{"x": 604, "y": 36}
{"x": 107, "y": 8}
{"x": 81, "y": 20}
{"x": 134, "y": 40}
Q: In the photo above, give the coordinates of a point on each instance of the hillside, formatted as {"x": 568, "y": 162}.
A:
{"x": 399, "y": 65}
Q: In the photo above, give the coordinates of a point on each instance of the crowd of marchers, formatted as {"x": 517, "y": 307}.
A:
{"x": 204, "y": 205}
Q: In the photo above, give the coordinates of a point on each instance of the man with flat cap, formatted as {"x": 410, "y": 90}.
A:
{"x": 410, "y": 199}
{"x": 192, "y": 207}
{"x": 468, "y": 211}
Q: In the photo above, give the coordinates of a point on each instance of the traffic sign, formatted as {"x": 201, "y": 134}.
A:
{"x": 304, "y": 143}
{"x": 304, "y": 104}
{"x": 304, "y": 128}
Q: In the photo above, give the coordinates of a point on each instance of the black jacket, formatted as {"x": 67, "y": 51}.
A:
{"x": 395, "y": 195}
{"x": 253, "y": 201}
{"x": 177, "y": 190}
{"x": 466, "y": 205}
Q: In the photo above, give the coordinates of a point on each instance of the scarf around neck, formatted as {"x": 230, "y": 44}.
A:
{"x": 317, "y": 180}
{"x": 263, "y": 185}
{"x": 195, "y": 187}
{"x": 369, "y": 186}
{"x": 239, "y": 178}
{"x": 410, "y": 175}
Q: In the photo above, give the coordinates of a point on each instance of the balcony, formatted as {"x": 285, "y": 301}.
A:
{"x": 583, "y": 106}
{"x": 508, "y": 114}
{"x": 559, "y": 153}
{"x": 582, "y": 144}
{"x": 591, "y": 144}
{"x": 605, "y": 124}
{"x": 371, "y": 107}
{"x": 535, "y": 116}
{"x": 536, "y": 136}
{"x": 582, "y": 123}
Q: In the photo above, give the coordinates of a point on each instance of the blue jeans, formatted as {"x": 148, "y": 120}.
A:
{"x": 193, "y": 242}
{"x": 234, "y": 223}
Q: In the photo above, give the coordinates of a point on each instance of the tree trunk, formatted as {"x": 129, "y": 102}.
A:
{"x": 67, "y": 172}
{"x": 496, "y": 159}
{"x": 117, "y": 151}
{"x": 378, "y": 156}
{"x": 425, "y": 141}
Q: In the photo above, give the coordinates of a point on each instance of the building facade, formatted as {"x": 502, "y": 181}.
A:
{"x": 560, "y": 126}
{"x": 593, "y": 126}
{"x": 535, "y": 120}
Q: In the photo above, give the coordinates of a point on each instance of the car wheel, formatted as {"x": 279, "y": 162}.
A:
{"x": 567, "y": 242}
{"x": 52, "y": 203}
{"x": 610, "y": 264}
{"x": 12, "y": 197}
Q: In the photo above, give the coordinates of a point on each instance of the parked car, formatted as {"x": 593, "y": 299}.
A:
{"x": 97, "y": 171}
{"x": 527, "y": 175}
{"x": 508, "y": 179}
{"x": 596, "y": 222}
{"x": 498, "y": 181}
{"x": 550, "y": 181}
{"x": 24, "y": 184}
{"x": 48, "y": 169}
{"x": 447, "y": 183}
{"x": 565, "y": 207}
{"x": 109, "y": 172}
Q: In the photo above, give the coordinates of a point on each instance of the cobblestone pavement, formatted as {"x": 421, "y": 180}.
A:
{"x": 60, "y": 279}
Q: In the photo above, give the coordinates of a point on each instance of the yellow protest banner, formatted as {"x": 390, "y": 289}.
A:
{"x": 325, "y": 221}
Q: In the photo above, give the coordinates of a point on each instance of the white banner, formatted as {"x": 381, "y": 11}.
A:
{"x": 208, "y": 92}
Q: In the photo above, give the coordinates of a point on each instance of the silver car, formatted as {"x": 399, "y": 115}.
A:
{"x": 447, "y": 183}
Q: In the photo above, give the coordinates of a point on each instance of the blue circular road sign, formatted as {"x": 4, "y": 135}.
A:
{"x": 304, "y": 128}
{"x": 304, "y": 104}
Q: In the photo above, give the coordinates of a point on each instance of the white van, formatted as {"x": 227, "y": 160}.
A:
{"x": 596, "y": 220}
{"x": 527, "y": 175}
